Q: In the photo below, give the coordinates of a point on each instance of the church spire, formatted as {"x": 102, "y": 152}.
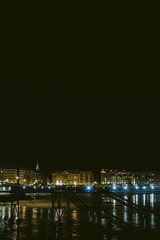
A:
{"x": 37, "y": 166}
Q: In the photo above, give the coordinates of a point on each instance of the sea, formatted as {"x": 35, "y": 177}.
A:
{"x": 37, "y": 221}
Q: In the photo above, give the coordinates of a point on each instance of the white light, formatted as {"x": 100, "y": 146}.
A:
{"x": 114, "y": 187}
{"x": 152, "y": 187}
{"x": 42, "y": 187}
{"x": 125, "y": 187}
{"x": 49, "y": 187}
{"x": 144, "y": 187}
{"x": 88, "y": 187}
{"x": 24, "y": 187}
{"x": 34, "y": 187}
{"x": 137, "y": 187}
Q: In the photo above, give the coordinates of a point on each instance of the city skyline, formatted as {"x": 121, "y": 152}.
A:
{"x": 24, "y": 176}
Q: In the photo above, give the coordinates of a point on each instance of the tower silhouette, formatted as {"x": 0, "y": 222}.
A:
{"x": 37, "y": 173}
{"x": 37, "y": 166}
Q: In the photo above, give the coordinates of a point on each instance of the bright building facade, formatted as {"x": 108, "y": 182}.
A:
{"x": 76, "y": 178}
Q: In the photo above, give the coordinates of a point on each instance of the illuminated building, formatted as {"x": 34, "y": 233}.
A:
{"x": 30, "y": 176}
{"x": 34, "y": 177}
{"x": 150, "y": 177}
{"x": 59, "y": 178}
{"x": 1, "y": 175}
{"x": 137, "y": 177}
{"x": 109, "y": 177}
{"x": 72, "y": 178}
{"x": 10, "y": 175}
{"x": 26, "y": 176}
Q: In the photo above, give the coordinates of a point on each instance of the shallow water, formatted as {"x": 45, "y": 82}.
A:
{"x": 37, "y": 223}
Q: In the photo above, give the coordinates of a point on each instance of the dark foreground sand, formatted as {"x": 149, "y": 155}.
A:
{"x": 47, "y": 203}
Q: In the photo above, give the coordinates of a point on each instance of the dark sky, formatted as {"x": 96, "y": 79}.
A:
{"x": 93, "y": 128}
{"x": 77, "y": 131}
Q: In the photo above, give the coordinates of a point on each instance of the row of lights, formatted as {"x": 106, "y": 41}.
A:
{"x": 38, "y": 187}
{"x": 114, "y": 187}
{"x": 6, "y": 188}
{"x": 88, "y": 188}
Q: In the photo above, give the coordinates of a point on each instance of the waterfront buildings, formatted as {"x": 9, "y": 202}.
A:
{"x": 10, "y": 175}
{"x": 150, "y": 177}
{"x": 34, "y": 177}
{"x": 77, "y": 177}
{"x": 22, "y": 176}
{"x": 109, "y": 177}
{"x": 72, "y": 178}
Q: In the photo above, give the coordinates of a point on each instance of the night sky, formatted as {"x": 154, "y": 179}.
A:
{"x": 75, "y": 131}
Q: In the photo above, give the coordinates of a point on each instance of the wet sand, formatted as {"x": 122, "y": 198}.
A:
{"x": 44, "y": 203}
{"x": 47, "y": 202}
